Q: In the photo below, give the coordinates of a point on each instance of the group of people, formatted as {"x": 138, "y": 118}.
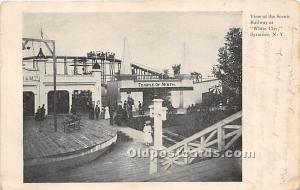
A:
{"x": 94, "y": 111}
{"x": 191, "y": 109}
{"x": 124, "y": 111}
{"x": 194, "y": 108}
{"x": 40, "y": 113}
{"x": 120, "y": 115}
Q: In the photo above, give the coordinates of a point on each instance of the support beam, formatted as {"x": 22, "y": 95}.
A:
{"x": 38, "y": 40}
{"x": 49, "y": 48}
{"x": 220, "y": 139}
{"x": 70, "y": 99}
{"x": 65, "y": 66}
{"x": 75, "y": 67}
{"x": 54, "y": 87}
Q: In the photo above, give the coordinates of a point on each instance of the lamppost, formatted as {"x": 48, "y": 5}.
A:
{"x": 159, "y": 114}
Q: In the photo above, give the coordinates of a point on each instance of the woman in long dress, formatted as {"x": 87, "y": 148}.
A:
{"x": 106, "y": 115}
{"x": 147, "y": 133}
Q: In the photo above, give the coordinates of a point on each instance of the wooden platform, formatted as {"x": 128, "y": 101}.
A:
{"x": 211, "y": 170}
{"x": 40, "y": 140}
{"x": 116, "y": 166}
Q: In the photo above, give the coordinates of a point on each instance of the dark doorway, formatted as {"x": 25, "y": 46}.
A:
{"x": 81, "y": 100}
{"x": 28, "y": 103}
{"x": 150, "y": 94}
{"x": 62, "y": 103}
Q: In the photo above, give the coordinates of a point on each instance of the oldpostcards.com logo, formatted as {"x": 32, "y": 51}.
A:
{"x": 207, "y": 153}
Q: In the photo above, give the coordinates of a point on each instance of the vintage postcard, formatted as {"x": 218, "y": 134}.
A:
{"x": 98, "y": 93}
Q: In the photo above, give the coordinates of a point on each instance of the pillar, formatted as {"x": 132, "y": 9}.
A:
{"x": 65, "y": 66}
{"x": 181, "y": 99}
{"x": 44, "y": 100}
{"x": 36, "y": 101}
{"x": 159, "y": 115}
{"x": 70, "y": 99}
{"x": 220, "y": 133}
{"x": 75, "y": 67}
{"x": 153, "y": 164}
{"x": 45, "y": 69}
{"x": 96, "y": 93}
{"x": 104, "y": 71}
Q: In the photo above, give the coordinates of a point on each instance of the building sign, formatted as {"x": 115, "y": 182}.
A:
{"x": 156, "y": 84}
{"x": 31, "y": 78}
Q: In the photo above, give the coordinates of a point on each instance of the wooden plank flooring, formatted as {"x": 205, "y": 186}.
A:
{"x": 40, "y": 140}
{"x": 216, "y": 169}
{"x": 114, "y": 166}
{"x": 117, "y": 166}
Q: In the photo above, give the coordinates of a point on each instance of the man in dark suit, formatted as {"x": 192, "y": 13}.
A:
{"x": 97, "y": 111}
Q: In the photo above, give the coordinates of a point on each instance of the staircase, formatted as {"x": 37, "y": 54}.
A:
{"x": 170, "y": 138}
{"x": 216, "y": 138}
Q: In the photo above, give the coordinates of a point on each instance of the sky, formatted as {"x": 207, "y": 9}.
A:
{"x": 154, "y": 39}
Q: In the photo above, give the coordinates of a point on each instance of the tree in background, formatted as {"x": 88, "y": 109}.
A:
{"x": 166, "y": 73}
{"x": 176, "y": 69}
{"x": 229, "y": 69}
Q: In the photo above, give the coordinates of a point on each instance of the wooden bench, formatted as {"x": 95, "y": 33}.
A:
{"x": 71, "y": 124}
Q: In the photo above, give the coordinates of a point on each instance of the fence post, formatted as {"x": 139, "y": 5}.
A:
{"x": 202, "y": 140}
{"x": 185, "y": 153}
{"x": 221, "y": 138}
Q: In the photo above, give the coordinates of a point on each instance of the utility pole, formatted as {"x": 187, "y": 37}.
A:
{"x": 54, "y": 87}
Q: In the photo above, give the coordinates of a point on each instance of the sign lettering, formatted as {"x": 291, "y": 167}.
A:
{"x": 31, "y": 78}
{"x": 156, "y": 84}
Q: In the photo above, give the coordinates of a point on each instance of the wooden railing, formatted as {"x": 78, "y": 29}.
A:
{"x": 217, "y": 137}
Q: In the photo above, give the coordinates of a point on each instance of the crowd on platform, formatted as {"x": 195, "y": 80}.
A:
{"x": 124, "y": 111}
{"x": 192, "y": 108}
{"x": 119, "y": 113}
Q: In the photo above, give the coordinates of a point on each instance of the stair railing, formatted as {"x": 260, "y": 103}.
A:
{"x": 218, "y": 137}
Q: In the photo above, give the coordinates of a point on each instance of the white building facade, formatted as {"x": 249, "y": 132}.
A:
{"x": 39, "y": 84}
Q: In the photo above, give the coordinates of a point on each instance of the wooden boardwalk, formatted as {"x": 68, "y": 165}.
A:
{"x": 41, "y": 141}
{"x": 117, "y": 166}
{"x": 114, "y": 166}
{"x": 212, "y": 170}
